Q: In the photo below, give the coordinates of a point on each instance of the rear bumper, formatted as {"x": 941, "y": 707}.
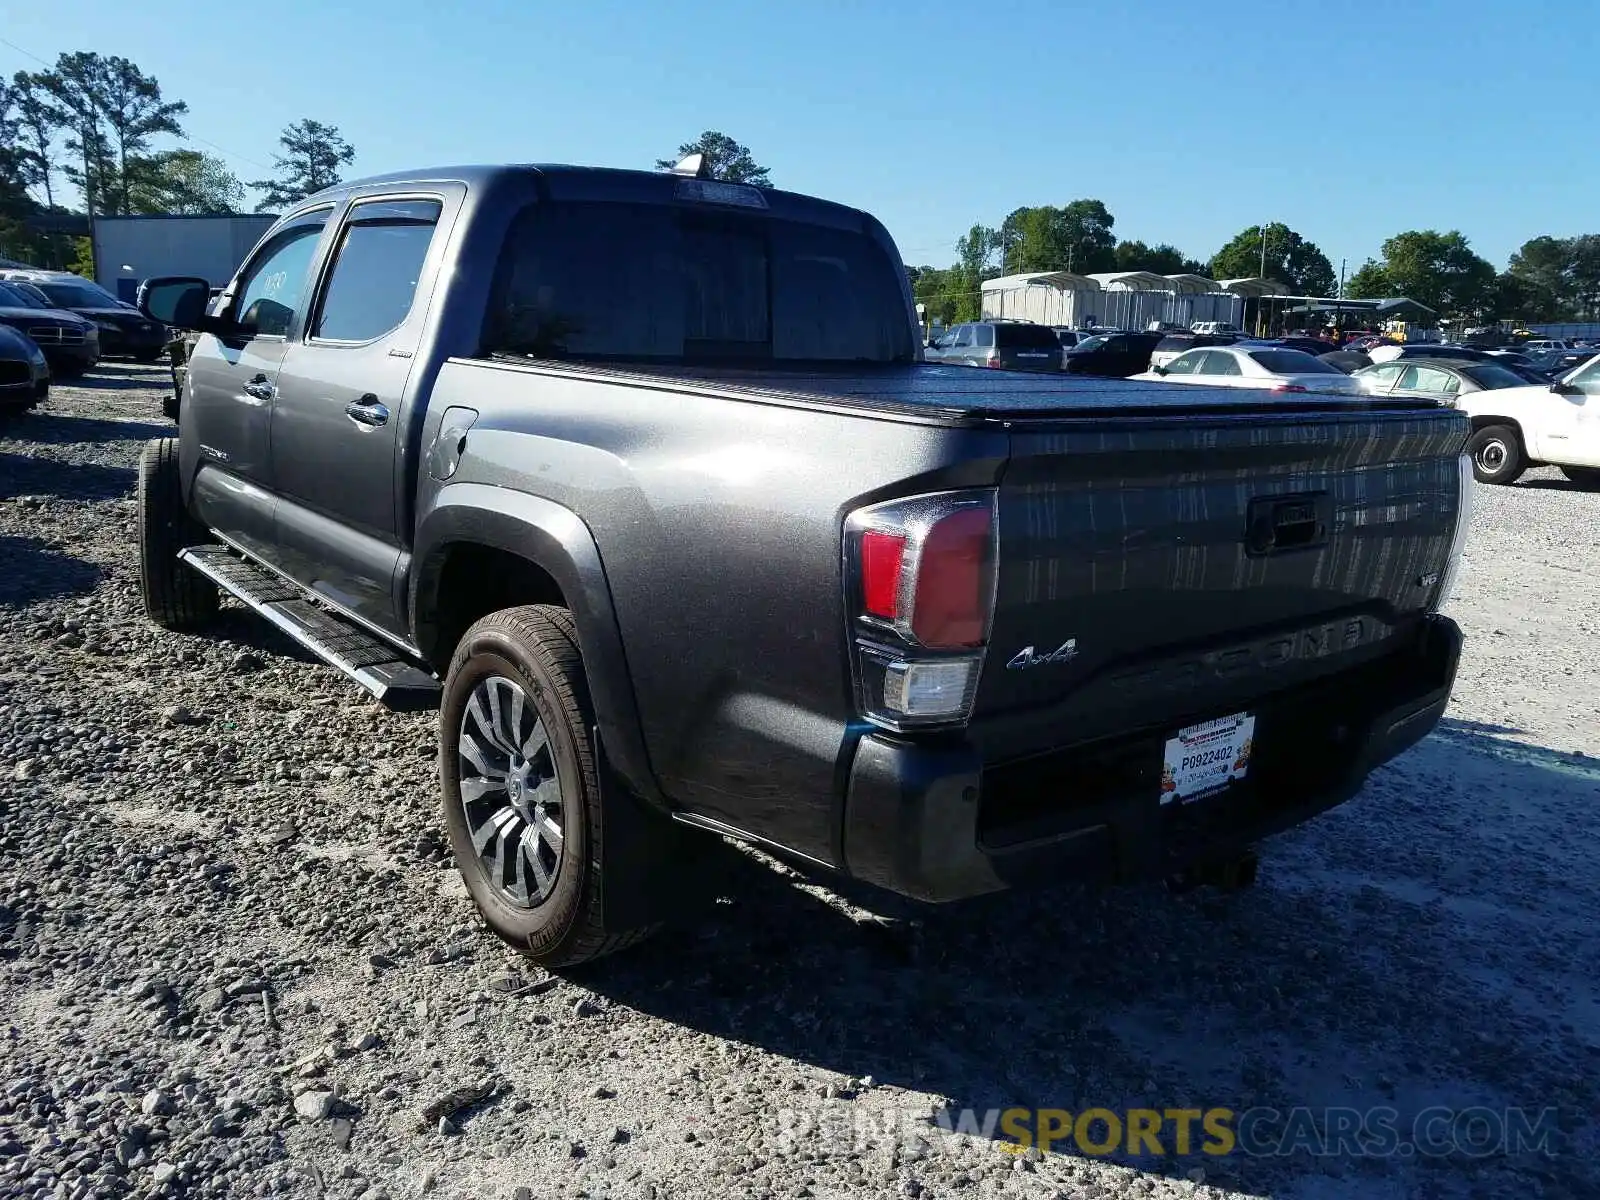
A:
{"x": 935, "y": 823}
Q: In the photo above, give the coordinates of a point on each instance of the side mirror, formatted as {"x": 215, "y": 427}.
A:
{"x": 179, "y": 301}
{"x": 1159, "y": 370}
{"x": 1565, "y": 389}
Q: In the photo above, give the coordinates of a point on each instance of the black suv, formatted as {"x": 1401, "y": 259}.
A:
{"x": 70, "y": 343}
{"x": 124, "y": 331}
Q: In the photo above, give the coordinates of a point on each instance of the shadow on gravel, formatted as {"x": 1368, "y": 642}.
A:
{"x": 58, "y": 429}
{"x": 32, "y": 570}
{"x": 1556, "y": 485}
{"x": 118, "y": 377}
{"x": 244, "y": 629}
{"x": 25, "y": 475}
{"x": 1341, "y": 981}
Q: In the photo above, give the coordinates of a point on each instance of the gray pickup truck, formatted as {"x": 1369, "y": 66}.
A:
{"x": 638, "y": 478}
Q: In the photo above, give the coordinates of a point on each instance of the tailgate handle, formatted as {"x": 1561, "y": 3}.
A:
{"x": 1279, "y": 523}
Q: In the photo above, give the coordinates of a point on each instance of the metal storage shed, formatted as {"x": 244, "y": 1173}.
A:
{"x": 1045, "y": 297}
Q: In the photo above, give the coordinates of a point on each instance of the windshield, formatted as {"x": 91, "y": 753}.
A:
{"x": 1037, "y": 337}
{"x": 1293, "y": 362}
{"x": 1093, "y": 343}
{"x": 658, "y": 283}
{"x": 16, "y": 297}
{"x": 77, "y": 295}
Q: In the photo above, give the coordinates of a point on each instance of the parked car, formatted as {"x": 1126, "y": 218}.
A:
{"x": 1173, "y": 344}
{"x": 1557, "y": 424}
{"x": 70, "y": 344}
{"x": 1442, "y": 379}
{"x": 1348, "y": 361}
{"x": 124, "y": 331}
{"x": 1216, "y": 327}
{"x": 1270, "y": 368}
{"x": 1011, "y": 345}
{"x": 1069, "y": 337}
{"x": 1116, "y": 355}
{"x": 676, "y": 569}
{"x": 1562, "y": 362}
{"x": 24, "y": 374}
{"x": 1315, "y": 347}
{"x": 1546, "y": 344}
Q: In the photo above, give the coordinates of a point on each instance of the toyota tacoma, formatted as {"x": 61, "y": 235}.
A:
{"x": 639, "y": 478}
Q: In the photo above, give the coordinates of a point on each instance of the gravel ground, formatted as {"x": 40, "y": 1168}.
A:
{"x": 234, "y": 960}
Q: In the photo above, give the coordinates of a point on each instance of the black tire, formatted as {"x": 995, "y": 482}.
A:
{"x": 175, "y": 597}
{"x": 535, "y": 648}
{"x": 1497, "y": 454}
{"x": 1588, "y": 477}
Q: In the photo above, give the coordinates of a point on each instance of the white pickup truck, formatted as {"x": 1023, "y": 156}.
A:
{"x": 1518, "y": 428}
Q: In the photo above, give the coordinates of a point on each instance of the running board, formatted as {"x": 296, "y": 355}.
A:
{"x": 374, "y": 664}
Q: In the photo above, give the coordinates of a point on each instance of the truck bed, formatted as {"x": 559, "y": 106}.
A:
{"x": 963, "y": 395}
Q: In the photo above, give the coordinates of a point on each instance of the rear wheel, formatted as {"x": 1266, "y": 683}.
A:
{"x": 1497, "y": 454}
{"x": 1588, "y": 477}
{"x": 520, "y": 784}
{"x": 175, "y": 597}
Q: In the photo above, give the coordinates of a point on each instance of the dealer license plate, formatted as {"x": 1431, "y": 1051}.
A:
{"x": 1204, "y": 759}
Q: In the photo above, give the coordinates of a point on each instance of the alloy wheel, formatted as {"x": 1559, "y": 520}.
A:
{"x": 511, "y": 792}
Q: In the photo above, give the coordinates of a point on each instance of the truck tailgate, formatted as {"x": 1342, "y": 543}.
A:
{"x": 1158, "y": 569}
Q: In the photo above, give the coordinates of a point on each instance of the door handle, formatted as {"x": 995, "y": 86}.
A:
{"x": 260, "y": 387}
{"x": 367, "y": 411}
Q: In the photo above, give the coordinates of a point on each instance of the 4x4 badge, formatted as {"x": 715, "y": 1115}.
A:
{"x": 1029, "y": 657}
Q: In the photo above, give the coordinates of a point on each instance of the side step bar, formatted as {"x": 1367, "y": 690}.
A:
{"x": 375, "y": 665}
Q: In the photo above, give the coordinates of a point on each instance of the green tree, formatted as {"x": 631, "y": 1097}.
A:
{"x": 184, "y": 181}
{"x": 1290, "y": 259}
{"x": 1370, "y": 282}
{"x": 311, "y": 158}
{"x": 77, "y": 84}
{"x": 726, "y": 159}
{"x": 38, "y": 117}
{"x": 1162, "y": 259}
{"x": 1439, "y": 270}
{"x": 1562, "y": 273}
{"x": 935, "y": 291}
{"x": 1074, "y": 237}
{"x": 134, "y": 111}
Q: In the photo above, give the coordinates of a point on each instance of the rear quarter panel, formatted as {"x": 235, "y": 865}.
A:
{"x": 718, "y": 523}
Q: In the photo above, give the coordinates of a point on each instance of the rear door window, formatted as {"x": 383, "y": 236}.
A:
{"x": 376, "y": 269}
{"x": 1187, "y": 363}
{"x": 984, "y": 335}
{"x": 1218, "y": 362}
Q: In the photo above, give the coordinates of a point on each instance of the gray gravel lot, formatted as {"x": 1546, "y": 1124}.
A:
{"x": 234, "y": 960}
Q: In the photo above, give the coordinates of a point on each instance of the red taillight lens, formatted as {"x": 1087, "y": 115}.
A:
{"x": 993, "y": 360}
{"x": 882, "y": 556}
{"x": 951, "y": 608}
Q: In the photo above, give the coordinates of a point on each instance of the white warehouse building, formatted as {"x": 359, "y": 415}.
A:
{"x": 128, "y": 250}
{"x": 1117, "y": 299}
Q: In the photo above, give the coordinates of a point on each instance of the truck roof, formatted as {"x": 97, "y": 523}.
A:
{"x": 566, "y": 181}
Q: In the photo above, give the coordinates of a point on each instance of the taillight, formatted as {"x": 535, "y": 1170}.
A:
{"x": 920, "y": 580}
{"x": 1289, "y": 387}
{"x": 993, "y": 360}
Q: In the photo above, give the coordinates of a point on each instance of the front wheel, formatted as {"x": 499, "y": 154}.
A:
{"x": 1497, "y": 454}
{"x": 1588, "y": 477}
{"x": 175, "y": 597}
{"x": 520, "y": 785}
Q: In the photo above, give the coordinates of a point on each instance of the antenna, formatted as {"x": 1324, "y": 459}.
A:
{"x": 693, "y": 166}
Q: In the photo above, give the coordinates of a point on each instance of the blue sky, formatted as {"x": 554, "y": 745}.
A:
{"x": 1190, "y": 120}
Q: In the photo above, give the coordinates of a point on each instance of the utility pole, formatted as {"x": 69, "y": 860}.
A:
{"x": 1263, "y": 251}
{"x": 1261, "y": 324}
{"x": 1338, "y": 311}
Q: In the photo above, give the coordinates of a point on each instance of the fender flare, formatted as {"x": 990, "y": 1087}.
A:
{"x": 555, "y": 539}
